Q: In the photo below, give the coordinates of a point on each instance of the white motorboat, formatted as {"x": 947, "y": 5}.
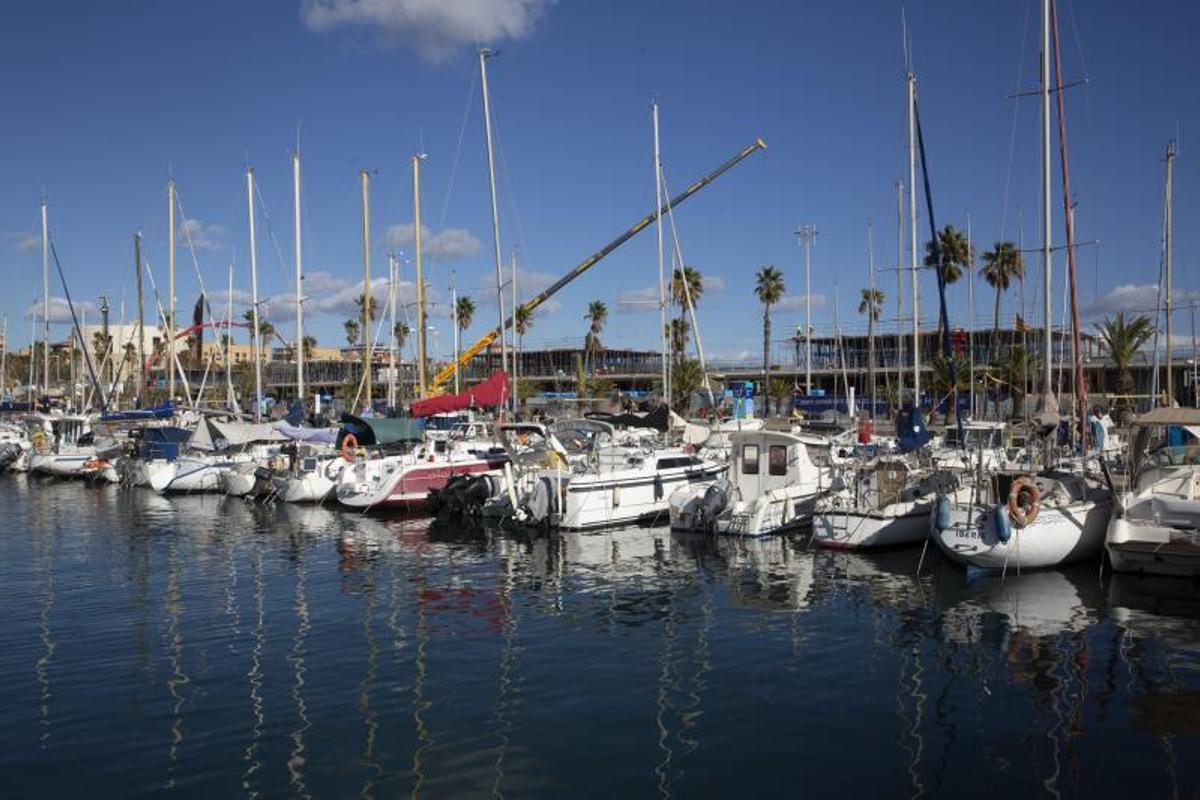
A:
{"x": 583, "y": 474}
{"x": 404, "y": 480}
{"x": 1155, "y": 528}
{"x": 312, "y": 480}
{"x": 215, "y": 448}
{"x": 772, "y": 488}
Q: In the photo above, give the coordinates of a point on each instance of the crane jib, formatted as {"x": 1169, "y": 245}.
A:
{"x": 474, "y": 350}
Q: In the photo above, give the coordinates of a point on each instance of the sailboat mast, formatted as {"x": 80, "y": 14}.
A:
{"x": 299, "y": 277}
{"x": 971, "y": 317}
{"x": 912, "y": 236}
{"x": 457, "y": 330}
{"x": 1047, "y": 265}
{"x": 664, "y": 338}
{"x": 255, "y": 337}
{"x": 871, "y": 306}
{"x": 900, "y": 293}
{"x": 484, "y": 54}
{"x": 365, "y": 179}
{"x": 141, "y": 321}
{"x": 422, "y": 358}
{"x": 45, "y": 302}
{"x": 171, "y": 289}
{"x": 1167, "y": 266}
{"x": 516, "y": 368}
{"x": 229, "y": 396}
{"x": 391, "y": 395}
{"x": 1069, "y": 216}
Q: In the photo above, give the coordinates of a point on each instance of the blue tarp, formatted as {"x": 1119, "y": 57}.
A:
{"x": 911, "y": 432}
{"x": 164, "y": 411}
{"x": 320, "y": 435}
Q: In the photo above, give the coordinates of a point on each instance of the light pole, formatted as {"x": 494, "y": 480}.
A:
{"x": 807, "y": 233}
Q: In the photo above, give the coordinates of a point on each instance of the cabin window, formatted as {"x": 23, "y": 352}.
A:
{"x": 777, "y": 460}
{"x": 683, "y": 461}
{"x": 749, "y": 459}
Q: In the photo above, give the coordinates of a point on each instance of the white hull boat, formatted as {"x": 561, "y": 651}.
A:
{"x": 1155, "y": 529}
{"x": 772, "y": 489}
{"x": 884, "y": 506}
{"x": 1069, "y": 525}
{"x": 314, "y": 482}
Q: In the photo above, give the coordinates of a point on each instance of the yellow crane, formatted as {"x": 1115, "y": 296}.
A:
{"x": 475, "y": 349}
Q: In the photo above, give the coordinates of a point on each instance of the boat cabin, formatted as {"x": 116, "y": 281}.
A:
{"x": 767, "y": 460}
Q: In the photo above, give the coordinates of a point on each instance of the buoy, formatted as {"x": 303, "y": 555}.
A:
{"x": 349, "y": 445}
{"x": 1001, "y": 523}
{"x": 1024, "y": 501}
{"x": 942, "y": 513}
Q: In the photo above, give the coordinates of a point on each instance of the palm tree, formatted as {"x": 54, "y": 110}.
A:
{"x": 464, "y": 312}
{"x": 1124, "y": 338}
{"x": 871, "y": 305}
{"x": 955, "y": 253}
{"x": 308, "y": 343}
{"x": 372, "y": 307}
{"x": 351, "y": 328}
{"x": 678, "y": 331}
{"x": 596, "y": 317}
{"x": 1013, "y": 371}
{"x": 942, "y": 384}
{"x": 1001, "y": 265}
{"x": 769, "y": 288}
{"x": 401, "y": 331}
{"x": 690, "y": 278}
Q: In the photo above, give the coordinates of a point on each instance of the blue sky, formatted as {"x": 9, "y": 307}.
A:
{"x": 105, "y": 100}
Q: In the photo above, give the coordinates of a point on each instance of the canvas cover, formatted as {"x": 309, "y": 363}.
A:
{"x": 492, "y": 392}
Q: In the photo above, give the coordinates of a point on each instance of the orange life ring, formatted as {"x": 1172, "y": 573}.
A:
{"x": 1024, "y": 501}
{"x": 349, "y": 445}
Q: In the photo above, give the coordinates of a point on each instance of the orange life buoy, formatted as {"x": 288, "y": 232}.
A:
{"x": 866, "y": 429}
{"x": 1024, "y": 501}
{"x": 349, "y": 445}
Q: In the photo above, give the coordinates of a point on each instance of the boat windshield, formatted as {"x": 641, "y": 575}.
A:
{"x": 1174, "y": 455}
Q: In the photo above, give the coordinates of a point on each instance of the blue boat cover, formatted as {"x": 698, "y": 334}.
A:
{"x": 911, "y": 432}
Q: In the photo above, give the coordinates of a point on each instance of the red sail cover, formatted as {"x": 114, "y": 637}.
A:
{"x": 492, "y": 392}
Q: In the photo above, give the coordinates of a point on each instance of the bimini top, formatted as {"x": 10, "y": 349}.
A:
{"x": 1169, "y": 416}
{"x": 378, "y": 431}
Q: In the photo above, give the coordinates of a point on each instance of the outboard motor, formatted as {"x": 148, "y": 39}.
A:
{"x": 715, "y": 500}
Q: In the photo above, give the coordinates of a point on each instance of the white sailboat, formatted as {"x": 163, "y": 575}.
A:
{"x": 1060, "y": 514}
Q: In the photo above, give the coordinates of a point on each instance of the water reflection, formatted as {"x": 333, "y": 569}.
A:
{"x": 308, "y": 652}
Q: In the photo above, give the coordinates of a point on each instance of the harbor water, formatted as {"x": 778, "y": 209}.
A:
{"x": 209, "y": 647}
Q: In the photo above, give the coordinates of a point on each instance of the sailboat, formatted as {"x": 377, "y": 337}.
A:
{"x": 1059, "y": 514}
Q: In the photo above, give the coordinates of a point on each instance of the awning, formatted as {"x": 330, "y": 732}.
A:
{"x": 381, "y": 430}
{"x": 1169, "y": 416}
{"x": 492, "y": 392}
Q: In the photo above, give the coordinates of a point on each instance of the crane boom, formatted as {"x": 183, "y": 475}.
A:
{"x": 475, "y": 349}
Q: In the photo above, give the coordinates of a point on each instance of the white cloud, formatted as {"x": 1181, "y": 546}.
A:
{"x": 434, "y": 28}
{"x": 23, "y": 241}
{"x": 638, "y": 301}
{"x": 60, "y": 312}
{"x": 1132, "y": 299}
{"x": 204, "y": 238}
{"x": 795, "y": 302}
{"x": 321, "y": 282}
{"x": 529, "y": 282}
{"x": 645, "y": 300}
{"x": 445, "y": 245}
